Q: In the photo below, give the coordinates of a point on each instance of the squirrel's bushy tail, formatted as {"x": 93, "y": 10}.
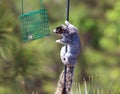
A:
{"x": 69, "y": 80}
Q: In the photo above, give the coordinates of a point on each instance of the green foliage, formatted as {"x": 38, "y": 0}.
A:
{"x": 36, "y": 65}
{"x": 94, "y": 87}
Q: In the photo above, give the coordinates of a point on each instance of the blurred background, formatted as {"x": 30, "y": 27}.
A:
{"x": 36, "y": 65}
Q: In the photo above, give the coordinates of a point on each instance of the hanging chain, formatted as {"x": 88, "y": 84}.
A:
{"x": 22, "y": 7}
{"x": 41, "y": 5}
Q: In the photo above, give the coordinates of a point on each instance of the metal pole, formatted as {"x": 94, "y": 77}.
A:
{"x": 22, "y": 7}
{"x": 65, "y": 66}
{"x": 67, "y": 10}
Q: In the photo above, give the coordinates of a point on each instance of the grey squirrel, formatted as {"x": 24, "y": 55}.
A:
{"x": 71, "y": 40}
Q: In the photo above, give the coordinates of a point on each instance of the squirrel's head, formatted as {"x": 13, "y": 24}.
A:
{"x": 66, "y": 29}
{"x": 61, "y": 29}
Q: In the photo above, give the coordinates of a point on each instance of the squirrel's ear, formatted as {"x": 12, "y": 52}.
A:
{"x": 72, "y": 29}
{"x": 63, "y": 26}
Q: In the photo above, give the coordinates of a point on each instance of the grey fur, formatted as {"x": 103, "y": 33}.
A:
{"x": 70, "y": 38}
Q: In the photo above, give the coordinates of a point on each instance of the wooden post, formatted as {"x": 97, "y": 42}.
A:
{"x": 69, "y": 80}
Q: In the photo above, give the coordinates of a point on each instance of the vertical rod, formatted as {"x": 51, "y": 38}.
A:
{"x": 65, "y": 66}
{"x": 65, "y": 72}
{"x": 67, "y": 10}
{"x": 41, "y": 4}
{"x": 22, "y": 7}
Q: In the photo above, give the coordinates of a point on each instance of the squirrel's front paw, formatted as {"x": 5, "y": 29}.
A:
{"x": 57, "y": 41}
{"x": 61, "y": 42}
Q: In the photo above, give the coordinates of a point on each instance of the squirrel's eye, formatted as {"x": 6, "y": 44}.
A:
{"x": 60, "y": 31}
